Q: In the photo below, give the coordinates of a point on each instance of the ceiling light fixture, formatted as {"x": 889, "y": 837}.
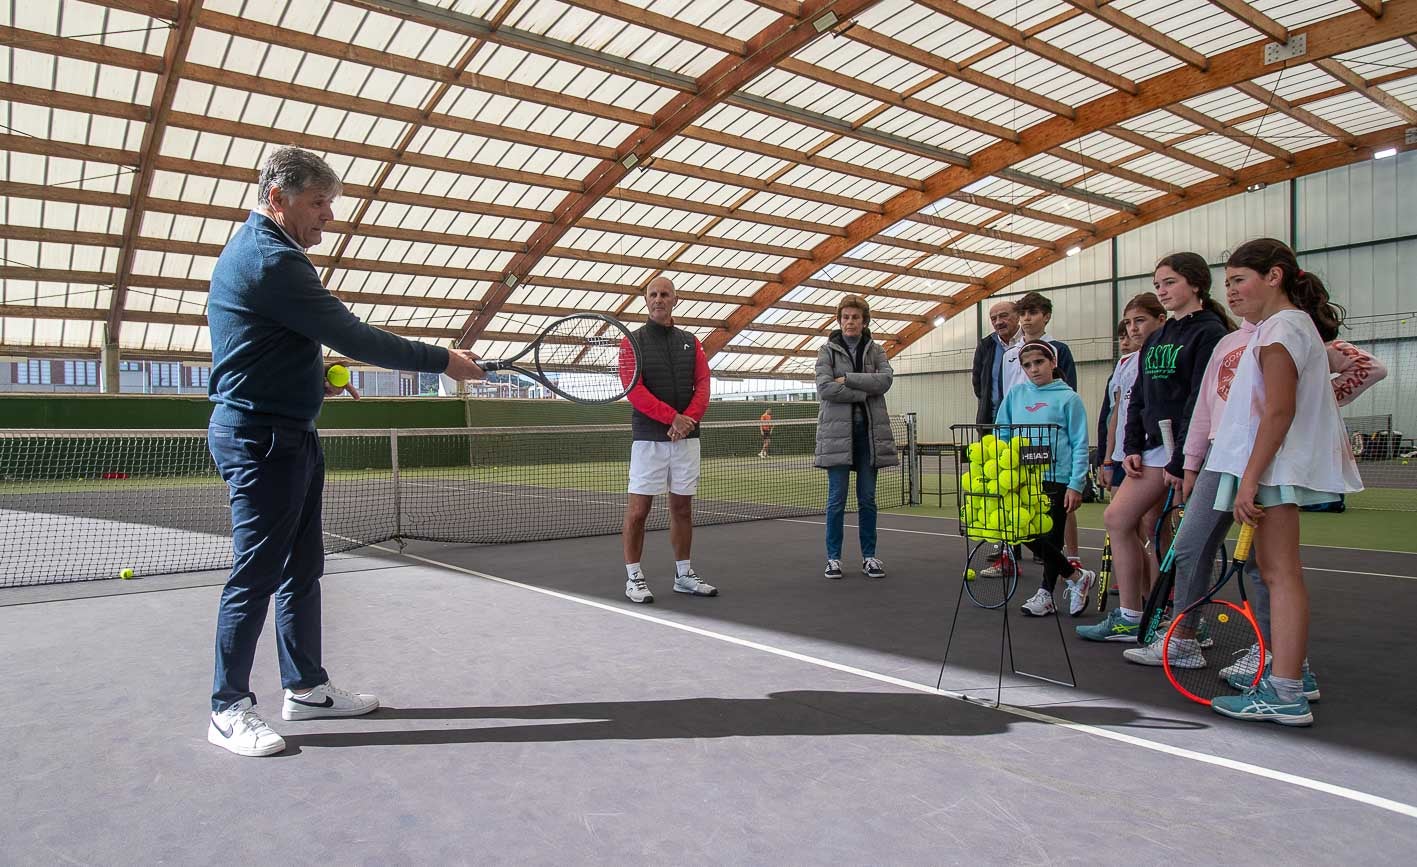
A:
{"x": 1256, "y": 187}
{"x": 1384, "y": 153}
{"x": 826, "y": 22}
{"x": 1073, "y": 250}
{"x": 939, "y": 321}
{"x": 630, "y": 161}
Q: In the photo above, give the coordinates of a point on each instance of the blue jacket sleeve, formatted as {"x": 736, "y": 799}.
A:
{"x": 1077, "y": 438}
{"x": 305, "y": 306}
{"x": 1066, "y": 364}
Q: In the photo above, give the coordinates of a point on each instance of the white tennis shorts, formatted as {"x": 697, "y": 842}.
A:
{"x": 658, "y": 468}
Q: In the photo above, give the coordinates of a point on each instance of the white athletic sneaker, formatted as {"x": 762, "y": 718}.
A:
{"x": 872, "y": 567}
{"x": 326, "y": 701}
{"x": 636, "y": 590}
{"x": 833, "y": 570}
{"x": 1246, "y": 664}
{"x": 242, "y": 731}
{"x": 1080, "y": 591}
{"x": 690, "y": 583}
{"x": 1040, "y": 604}
{"x": 1185, "y": 653}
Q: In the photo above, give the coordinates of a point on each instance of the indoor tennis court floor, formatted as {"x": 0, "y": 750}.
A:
{"x": 533, "y": 715}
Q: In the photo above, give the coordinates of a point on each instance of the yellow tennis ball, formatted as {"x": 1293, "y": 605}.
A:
{"x": 337, "y": 375}
{"x": 969, "y": 574}
{"x": 966, "y": 483}
{"x": 126, "y": 574}
{"x": 1008, "y": 459}
{"x": 1008, "y": 479}
{"x": 991, "y": 469}
{"x": 975, "y": 453}
{"x": 1045, "y": 523}
{"x": 1224, "y": 618}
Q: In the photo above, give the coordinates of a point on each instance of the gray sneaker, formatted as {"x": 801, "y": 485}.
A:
{"x": 1185, "y": 653}
{"x": 636, "y": 590}
{"x": 690, "y": 583}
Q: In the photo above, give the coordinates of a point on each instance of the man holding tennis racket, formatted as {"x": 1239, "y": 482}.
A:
{"x": 669, "y": 402}
{"x": 269, "y": 314}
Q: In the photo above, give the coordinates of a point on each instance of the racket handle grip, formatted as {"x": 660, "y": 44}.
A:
{"x": 490, "y": 366}
{"x": 1242, "y": 545}
{"x": 1168, "y": 437}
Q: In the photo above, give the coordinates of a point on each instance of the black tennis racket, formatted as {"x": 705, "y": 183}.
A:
{"x": 1104, "y": 574}
{"x": 1158, "y": 602}
{"x": 1232, "y": 631}
{"x": 584, "y": 357}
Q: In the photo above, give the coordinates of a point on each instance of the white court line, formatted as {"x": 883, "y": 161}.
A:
{"x": 1024, "y": 713}
{"x": 1089, "y": 548}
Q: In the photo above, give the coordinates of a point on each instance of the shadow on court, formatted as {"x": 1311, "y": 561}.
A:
{"x": 803, "y": 712}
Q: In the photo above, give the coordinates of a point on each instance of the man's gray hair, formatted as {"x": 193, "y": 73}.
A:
{"x": 295, "y": 170}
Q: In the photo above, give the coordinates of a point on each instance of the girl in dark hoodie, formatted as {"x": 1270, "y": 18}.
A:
{"x": 1172, "y": 365}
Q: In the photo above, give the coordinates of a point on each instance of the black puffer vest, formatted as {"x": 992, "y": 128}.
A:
{"x": 667, "y": 360}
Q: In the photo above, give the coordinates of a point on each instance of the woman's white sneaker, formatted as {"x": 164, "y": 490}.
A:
{"x": 326, "y": 701}
{"x": 1040, "y": 604}
{"x": 242, "y": 731}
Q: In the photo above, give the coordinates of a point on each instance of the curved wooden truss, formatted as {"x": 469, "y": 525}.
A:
{"x": 544, "y": 157}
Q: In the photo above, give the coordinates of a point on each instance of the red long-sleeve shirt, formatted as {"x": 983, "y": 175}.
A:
{"x": 642, "y": 399}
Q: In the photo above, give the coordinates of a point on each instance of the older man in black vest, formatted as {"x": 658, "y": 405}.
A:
{"x": 669, "y": 402}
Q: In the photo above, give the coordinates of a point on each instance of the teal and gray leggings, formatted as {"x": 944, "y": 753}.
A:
{"x": 1201, "y": 533}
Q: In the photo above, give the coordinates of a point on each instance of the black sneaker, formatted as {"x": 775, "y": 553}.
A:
{"x": 873, "y": 568}
{"x": 833, "y": 570}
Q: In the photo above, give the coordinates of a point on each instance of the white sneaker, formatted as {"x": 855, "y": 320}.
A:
{"x": 872, "y": 567}
{"x": 690, "y": 583}
{"x": 1185, "y": 653}
{"x": 326, "y": 701}
{"x": 242, "y": 731}
{"x": 1246, "y": 664}
{"x": 833, "y": 570}
{"x": 1080, "y": 591}
{"x": 1040, "y": 604}
{"x": 636, "y": 590}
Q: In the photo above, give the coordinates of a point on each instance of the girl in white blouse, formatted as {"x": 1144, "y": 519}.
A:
{"x": 1280, "y": 445}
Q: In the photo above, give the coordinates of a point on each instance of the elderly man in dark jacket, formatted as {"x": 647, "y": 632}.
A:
{"x": 987, "y": 375}
{"x": 853, "y": 429}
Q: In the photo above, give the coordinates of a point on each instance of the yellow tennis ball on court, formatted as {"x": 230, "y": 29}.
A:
{"x": 337, "y": 375}
{"x": 991, "y": 469}
{"x": 126, "y": 574}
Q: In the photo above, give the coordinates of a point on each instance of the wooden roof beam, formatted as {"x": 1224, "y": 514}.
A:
{"x": 1243, "y": 12}
{"x": 1203, "y": 121}
{"x": 939, "y": 250}
{"x": 174, "y": 58}
{"x": 1166, "y": 150}
{"x": 1244, "y": 63}
{"x": 1374, "y": 94}
{"x": 1144, "y": 32}
{"x": 1112, "y": 169}
{"x": 1304, "y": 116}
{"x": 1306, "y": 162}
{"x": 997, "y": 29}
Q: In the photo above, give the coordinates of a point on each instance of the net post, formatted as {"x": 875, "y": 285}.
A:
{"x": 398, "y": 486}
{"x": 912, "y": 459}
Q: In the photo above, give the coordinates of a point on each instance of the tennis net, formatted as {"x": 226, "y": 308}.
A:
{"x": 82, "y": 505}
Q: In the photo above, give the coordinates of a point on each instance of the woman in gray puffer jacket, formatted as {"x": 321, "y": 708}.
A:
{"x": 853, "y": 429}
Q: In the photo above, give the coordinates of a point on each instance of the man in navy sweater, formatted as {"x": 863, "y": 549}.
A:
{"x": 269, "y": 314}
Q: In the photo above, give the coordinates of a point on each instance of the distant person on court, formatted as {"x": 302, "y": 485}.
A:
{"x": 987, "y": 375}
{"x": 853, "y": 429}
{"x": 766, "y": 427}
{"x": 269, "y": 316}
{"x": 1044, "y": 399}
{"x": 669, "y": 402}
